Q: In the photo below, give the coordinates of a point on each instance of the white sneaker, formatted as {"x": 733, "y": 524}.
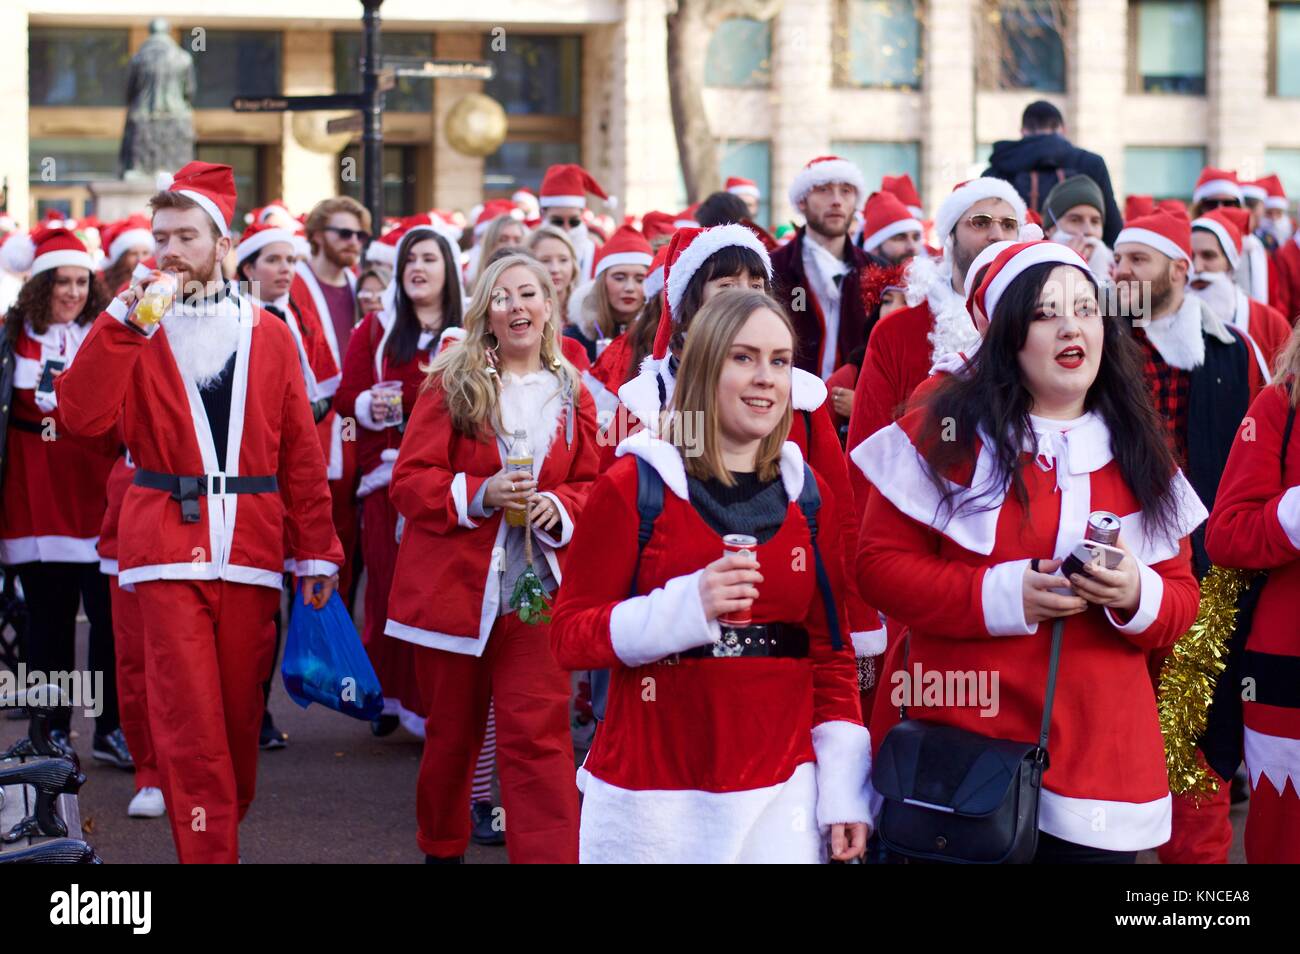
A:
{"x": 147, "y": 803}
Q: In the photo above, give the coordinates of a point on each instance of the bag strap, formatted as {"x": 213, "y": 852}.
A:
{"x": 649, "y": 504}
{"x": 810, "y": 501}
{"x": 1286, "y": 433}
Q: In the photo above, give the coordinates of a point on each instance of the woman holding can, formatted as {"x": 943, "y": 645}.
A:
{"x": 721, "y": 743}
{"x": 978, "y": 496}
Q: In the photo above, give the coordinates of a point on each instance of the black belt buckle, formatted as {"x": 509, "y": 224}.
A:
{"x": 187, "y": 492}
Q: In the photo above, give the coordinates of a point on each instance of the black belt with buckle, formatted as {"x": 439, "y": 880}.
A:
{"x": 771, "y": 640}
{"x": 188, "y": 490}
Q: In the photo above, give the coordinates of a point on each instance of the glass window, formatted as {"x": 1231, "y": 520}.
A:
{"x": 1171, "y": 46}
{"x": 62, "y": 161}
{"x": 1286, "y": 53}
{"x": 880, "y": 159}
{"x": 409, "y": 95}
{"x": 399, "y": 178}
{"x": 751, "y": 159}
{"x": 71, "y": 67}
{"x": 247, "y": 162}
{"x": 883, "y": 43}
{"x": 233, "y": 63}
{"x": 521, "y": 165}
{"x": 1286, "y": 163}
{"x": 739, "y": 54}
{"x": 536, "y": 75}
{"x": 1026, "y": 46}
{"x": 1162, "y": 172}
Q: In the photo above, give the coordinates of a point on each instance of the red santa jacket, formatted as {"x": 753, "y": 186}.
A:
{"x": 446, "y": 588}
{"x": 321, "y": 346}
{"x": 812, "y": 432}
{"x": 957, "y": 585}
{"x": 119, "y": 479}
{"x": 715, "y": 725}
{"x": 1286, "y": 272}
{"x": 1264, "y": 325}
{"x": 126, "y": 376}
{"x": 607, "y": 375}
{"x": 54, "y": 480}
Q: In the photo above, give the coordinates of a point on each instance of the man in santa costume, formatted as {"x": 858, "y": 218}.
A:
{"x": 1203, "y": 374}
{"x": 563, "y": 201}
{"x": 1274, "y": 226}
{"x": 1286, "y": 260}
{"x": 1216, "y": 255}
{"x": 816, "y": 274}
{"x": 906, "y": 344}
{"x": 1220, "y": 188}
{"x": 748, "y": 190}
{"x": 891, "y": 234}
{"x": 216, "y": 416}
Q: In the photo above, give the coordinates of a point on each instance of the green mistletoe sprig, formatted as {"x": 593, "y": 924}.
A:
{"x": 529, "y": 599}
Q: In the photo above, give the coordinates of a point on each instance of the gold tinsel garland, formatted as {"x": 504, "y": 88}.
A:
{"x": 1188, "y": 676}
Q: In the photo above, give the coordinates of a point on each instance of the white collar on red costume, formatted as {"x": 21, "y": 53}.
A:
{"x": 930, "y": 281}
{"x": 667, "y": 460}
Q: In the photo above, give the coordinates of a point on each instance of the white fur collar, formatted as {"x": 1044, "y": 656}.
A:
{"x": 581, "y": 310}
{"x": 531, "y": 403}
{"x": 65, "y": 338}
{"x": 641, "y": 394}
{"x": 953, "y": 330}
{"x": 202, "y": 337}
{"x": 1180, "y": 337}
{"x": 667, "y": 460}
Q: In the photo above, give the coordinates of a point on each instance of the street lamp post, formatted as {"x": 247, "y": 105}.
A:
{"x": 372, "y": 137}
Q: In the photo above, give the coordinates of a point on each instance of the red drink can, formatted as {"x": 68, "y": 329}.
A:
{"x": 739, "y": 543}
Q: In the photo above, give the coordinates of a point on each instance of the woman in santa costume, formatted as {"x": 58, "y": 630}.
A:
{"x": 602, "y": 309}
{"x": 386, "y": 363}
{"x": 53, "y": 481}
{"x": 1256, "y": 526}
{"x": 964, "y": 535}
{"x": 553, "y": 248}
{"x": 462, "y": 567}
{"x": 742, "y": 744}
{"x": 126, "y": 243}
{"x": 216, "y": 415}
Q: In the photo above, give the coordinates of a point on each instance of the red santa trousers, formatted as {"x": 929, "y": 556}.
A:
{"x": 1273, "y": 824}
{"x": 208, "y": 647}
{"x": 392, "y": 658}
{"x": 132, "y": 694}
{"x": 1201, "y": 832}
{"x": 534, "y": 748}
{"x": 347, "y": 520}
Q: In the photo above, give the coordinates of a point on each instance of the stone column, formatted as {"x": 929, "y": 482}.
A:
{"x": 1236, "y": 83}
{"x": 1096, "y": 53}
{"x": 801, "y": 94}
{"x": 948, "y": 96}
{"x": 306, "y": 177}
{"x": 13, "y": 108}
{"x": 457, "y": 179}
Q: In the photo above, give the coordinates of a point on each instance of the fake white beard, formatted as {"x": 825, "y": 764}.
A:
{"x": 1180, "y": 337}
{"x": 1220, "y": 295}
{"x": 578, "y": 235}
{"x": 1281, "y": 229}
{"x": 202, "y": 344}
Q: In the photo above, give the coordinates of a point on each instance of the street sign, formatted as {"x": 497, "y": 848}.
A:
{"x": 432, "y": 68}
{"x": 281, "y": 104}
{"x": 348, "y": 124}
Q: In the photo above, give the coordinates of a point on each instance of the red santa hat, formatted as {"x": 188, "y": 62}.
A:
{"x": 822, "y": 171}
{"x": 1253, "y": 191}
{"x": 654, "y": 279}
{"x": 738, "y": 185}
{"x": 966, "y": 194}
{"x": 1275, "y": 195}
{"x": 568, "y": 185}
{"x": 686, "y": 218}
{"x": 904, "y": 189}
{"x": 1163, "y": 230}
{"x": 886, "y": 216}
{"x": 1011, "y": 262}
{"x": 211, "y": 185}
{"x": 44, "y": 249}
{"x": 258, "y": 236}
{"x": 264, "y": 212}
{"x": 689, "y": 249}
{"x": 1227, "y": 228}
{"x": 626, "y": 246}
{"x": 1217, "y": 182}
{"x": 134, "y": 231}
{"x": 494, "y": 209}
{"x": 1137, "y": 206}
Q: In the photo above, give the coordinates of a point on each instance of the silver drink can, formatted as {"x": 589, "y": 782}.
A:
{"x": 1103, "y": 527}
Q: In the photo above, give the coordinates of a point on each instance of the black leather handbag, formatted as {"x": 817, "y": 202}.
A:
{"x": 959, "y": 797}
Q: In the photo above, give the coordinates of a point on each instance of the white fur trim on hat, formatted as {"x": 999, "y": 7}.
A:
{"x": 1154, "y": 239}
{"x": 1033, "y": 255}
{"x": 208, "y": 206}
{"x": 1225, "y": 240}
{"x": 745, "y": 190}
{"x": 66, "y": 256}
{"x": 985, "y": 257}
{"x": 131, "y": 238}
{"x": 700, "y": 250}
{"x": 546, "y": 201}
{"x": 873, "y": 241}
{"x": 1276, "y": 202}
{"x": 822, "y": 173}
{"x": 163, "y": 181}
{"x": 623, "y": 258}
{"x": 260, "y": 240}
{"x": 1252, "y": 191}
{"x": 654, "y": 283}
{"x": 961, "y": 199}
{"x": 1217, "y": 187}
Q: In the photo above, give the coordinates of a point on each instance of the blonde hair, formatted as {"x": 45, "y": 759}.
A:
{"x": 473, "y": 393}
{"x": 539, "y": 235}
{"x": 708, "y": 344}
{"x": 1286, "y": 366}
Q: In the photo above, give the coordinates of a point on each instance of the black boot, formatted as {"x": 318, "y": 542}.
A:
{"x": 482, "y": 831}
{"x": 435, "y": 860}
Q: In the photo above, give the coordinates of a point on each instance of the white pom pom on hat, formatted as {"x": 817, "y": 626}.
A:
{"x": 18, "y": 253}
{"x": 163, "y": 181}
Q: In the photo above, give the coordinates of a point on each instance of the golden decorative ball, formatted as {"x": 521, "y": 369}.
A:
{"x": 476, "y": 125}
{"x": 309, "y": 131}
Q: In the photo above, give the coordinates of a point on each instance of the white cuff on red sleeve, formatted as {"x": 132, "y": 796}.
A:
{"x": 843, "y": 752}
{"x": 1152, "y": 593}
{"x": 460, "y": 497}
{"x": 551, "y": 539}
{"x": 870, "y": 643}
{"x": 364, "y": 401}
{"x": 1003, "y": 596}
{"x": 664, "y": 621}
{"x": 1288, "y": 514}
{"x": 314, "y": 568}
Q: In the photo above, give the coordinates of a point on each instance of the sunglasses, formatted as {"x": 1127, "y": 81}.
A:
{"x": 1210, "y": 204}
{"x": 348, "y": 235}
{"x": 560, "y": 222}
{"x": 982, "y": 222}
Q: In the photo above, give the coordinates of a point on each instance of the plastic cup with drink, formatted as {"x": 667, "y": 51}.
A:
{"x": 156, "y": 301}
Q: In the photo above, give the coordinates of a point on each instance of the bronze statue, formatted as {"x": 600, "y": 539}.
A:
{"x": 159, "y": 133}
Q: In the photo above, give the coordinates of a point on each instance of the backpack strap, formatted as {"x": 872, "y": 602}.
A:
{"x": 810, "y": 501}
{"x": 808, "y": 428}
{"x": 1286, "y": 431}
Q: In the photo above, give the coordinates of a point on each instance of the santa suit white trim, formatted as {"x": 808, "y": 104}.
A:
{"x": 48, "y": 549}
{"x": 1241, "y": 320}
{"x": 334, "y": 466}
{"x": 1275, "y": 757}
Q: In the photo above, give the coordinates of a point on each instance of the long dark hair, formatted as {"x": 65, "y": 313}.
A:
{"x": 404, "y": 339}
{"x": 992, "y": 403}
{"x": 727, "y": 261}
{"x": 641, "y": 340}
{"x": 33, "y": 304}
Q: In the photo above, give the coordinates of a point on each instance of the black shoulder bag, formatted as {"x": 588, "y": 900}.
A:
{"x": 959, "y": 797}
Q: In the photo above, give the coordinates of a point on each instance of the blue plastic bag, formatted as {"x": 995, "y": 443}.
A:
{"x": 325, "y": 662}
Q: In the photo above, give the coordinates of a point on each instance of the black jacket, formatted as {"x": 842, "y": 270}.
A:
{"x": 1046, "y": 153}
{"x": 809, "y": 327}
